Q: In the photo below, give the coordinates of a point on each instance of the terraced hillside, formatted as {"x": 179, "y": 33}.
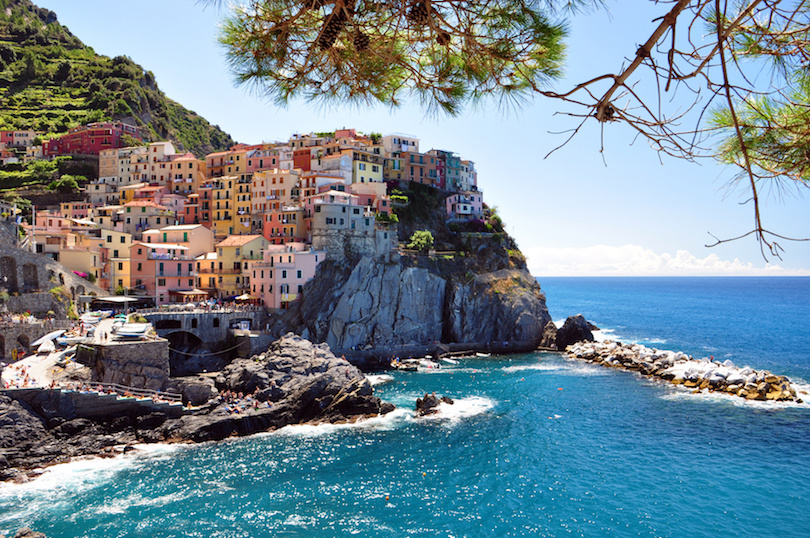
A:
{"x": 50, "y": 81}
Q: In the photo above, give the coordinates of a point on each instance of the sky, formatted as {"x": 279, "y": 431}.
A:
{"x": 579, "y": 212}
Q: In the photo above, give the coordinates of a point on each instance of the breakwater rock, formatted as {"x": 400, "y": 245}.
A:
{"x": 681, "y": 369}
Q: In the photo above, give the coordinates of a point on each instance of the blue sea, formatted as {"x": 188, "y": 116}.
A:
{"x": 535, "y": 445}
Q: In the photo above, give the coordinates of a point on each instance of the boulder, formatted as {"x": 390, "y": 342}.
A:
{"x": 428, "y": 405}
{"x": 575, "y": 329}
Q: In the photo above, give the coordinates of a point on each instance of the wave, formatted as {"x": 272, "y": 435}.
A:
{"x": 461, "y": 408}
{"x": 388, "y": 421}
{"x": 571, "y": 367}
{"x": 379, "y": 379}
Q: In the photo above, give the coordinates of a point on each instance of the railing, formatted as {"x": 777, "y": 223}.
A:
{"x": 123, "y": 390}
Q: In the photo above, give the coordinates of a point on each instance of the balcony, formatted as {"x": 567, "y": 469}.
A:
{"x": 159, "y": 256}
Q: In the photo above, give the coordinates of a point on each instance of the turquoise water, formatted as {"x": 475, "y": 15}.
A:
{"x": 535, "y": 445}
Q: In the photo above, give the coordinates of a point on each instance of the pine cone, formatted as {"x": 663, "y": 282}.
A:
{"x": 361, "y": 41}
{"x": 443, "y": 38}
{"x": 332, "y": 26}
{"x": 418, "y": 14}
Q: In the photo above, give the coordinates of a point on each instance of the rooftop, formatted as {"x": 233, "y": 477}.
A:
{"x": 237, "y": 240}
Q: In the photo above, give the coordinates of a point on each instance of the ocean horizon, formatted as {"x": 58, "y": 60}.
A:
{"x": 535, "y": 444}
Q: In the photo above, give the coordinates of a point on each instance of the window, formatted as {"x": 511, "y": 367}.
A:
{"x": 109, "y": 239}
{"x": 284, "y": 273}
{"x": 298, "y": 273}
{"x": 317, "y": 209}
{"x": 120, "y": 266}
{"x": 115, "y": 254}
{"x": 161, "y": 281}
{"x": 191, "y": 282}
{"x": 123, "y": 240}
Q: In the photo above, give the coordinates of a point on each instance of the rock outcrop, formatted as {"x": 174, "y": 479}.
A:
{"x": 293, "y": 382}
{"x": 575, "y": 329}
{"x": 681, "y": 369}
{"x": 376, "y": 305}
{"x": 429, "y": 404}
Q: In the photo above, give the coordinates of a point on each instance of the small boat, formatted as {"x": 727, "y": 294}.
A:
{"x": 46, "y": 347}
{"x": 482, "y": 355}
{"x": 449, "y": 361}
{"x": 133, "y": 331}
{"x": 47, "y": 338}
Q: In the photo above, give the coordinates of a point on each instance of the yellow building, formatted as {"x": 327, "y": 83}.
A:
{"x": 223, "y": 209}
{"x": 230, "y": 264}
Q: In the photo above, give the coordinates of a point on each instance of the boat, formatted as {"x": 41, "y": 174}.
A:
{"x": 47, "y": 338}
{"x": 133, "y": 331}
{"x": 482, "y": 355}
{"x": 46, "y": 347}
{"x": 449, "y": 361}
{"x": 72, "y": 340}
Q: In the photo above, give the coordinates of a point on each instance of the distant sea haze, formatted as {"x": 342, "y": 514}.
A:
{"x": 535, "y": 444}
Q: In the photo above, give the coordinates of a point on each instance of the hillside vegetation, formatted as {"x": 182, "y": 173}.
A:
{"x": 50, "y": 81}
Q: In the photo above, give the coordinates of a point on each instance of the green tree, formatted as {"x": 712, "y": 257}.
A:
{"x": 66, "y": 183}
{"x": 421, "y": 240}
{"x": 444, "y": 53}
{"x": 705, "y": 57}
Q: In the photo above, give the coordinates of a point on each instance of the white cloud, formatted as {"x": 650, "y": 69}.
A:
{"x": 634, "y": 260}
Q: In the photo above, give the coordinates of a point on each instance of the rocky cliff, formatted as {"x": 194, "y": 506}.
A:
{"x": 480, "y": 297}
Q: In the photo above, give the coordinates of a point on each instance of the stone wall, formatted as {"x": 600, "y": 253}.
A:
{"x": 20, "y": 335}
{"x": 24, "y": 273}
{"x": 351, "y": 244}
{"x": 143, "y": 364}
{"x": 39, "y": 304}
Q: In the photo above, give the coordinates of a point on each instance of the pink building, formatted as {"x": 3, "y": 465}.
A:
{"x": 465, "y": 206}
{"x": 280, "y": 277}
{"x": 161, "y": 270}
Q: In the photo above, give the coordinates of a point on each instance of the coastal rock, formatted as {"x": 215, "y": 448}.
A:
{"x": 680, "y": 369}
{"x": 575, "y": 329}
{"x": 196, "y": 390}
{"x": 429, "y": 404}
{"x": 549, "y": 339}
{"x": 377, "y": 305}
{"x": 293, "y": 382}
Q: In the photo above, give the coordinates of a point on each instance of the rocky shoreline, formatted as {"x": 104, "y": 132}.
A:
{"x": 293, "y": 382}
{"x": 680, "y": 369}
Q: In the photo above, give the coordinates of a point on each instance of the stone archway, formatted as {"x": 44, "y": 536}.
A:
{"x": 80, "y": 289}
{"x": 30, "y": 277}
{"x": 24, "y": 342}
{"x": 189, "y": 355}
{"x": 8, "y": 268}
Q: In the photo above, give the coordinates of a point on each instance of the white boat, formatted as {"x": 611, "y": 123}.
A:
{"x": 47, "y": 338}
{"x": 46, "y": 347}
{"x": 133, "y": 330}
{"x": 482, "y": 355}
{"x": 450, "y": 361}
{"x": 72, "y": 340}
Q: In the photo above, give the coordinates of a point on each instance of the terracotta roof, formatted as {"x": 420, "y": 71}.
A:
{"x": 237, "y": 240}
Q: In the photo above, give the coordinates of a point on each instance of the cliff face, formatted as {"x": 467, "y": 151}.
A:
{"x": 379, "y": 305}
